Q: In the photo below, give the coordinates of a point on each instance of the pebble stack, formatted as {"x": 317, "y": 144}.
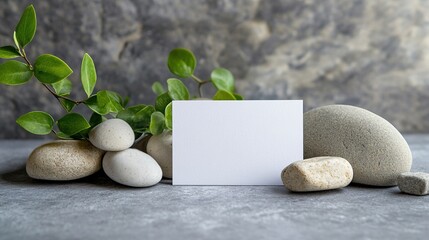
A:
{"x": 122, "y": 164}
{"x": 108, "y": 147}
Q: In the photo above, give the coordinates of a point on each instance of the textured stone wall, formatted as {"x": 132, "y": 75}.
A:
{"x": 369, "y": 53}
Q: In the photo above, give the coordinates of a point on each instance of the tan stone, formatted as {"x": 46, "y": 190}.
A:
{"x": 161, "y": 149}
{"x": 64, "y": 160}
{"x": 316, "y": 174}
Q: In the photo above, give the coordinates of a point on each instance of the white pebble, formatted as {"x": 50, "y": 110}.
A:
{"x": 112, "y": 135}
{"x": 132, "y": 167}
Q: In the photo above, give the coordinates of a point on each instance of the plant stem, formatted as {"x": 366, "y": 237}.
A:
{"x": 196, "y": 79}
{"x": 59, "y": 96}
{"x": 200, "y": 84}
{"x": 200, "y": 92}
{"x": 24, "y": 56}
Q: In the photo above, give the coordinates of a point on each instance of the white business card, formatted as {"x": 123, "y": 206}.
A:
{"x": 235, "y": 142}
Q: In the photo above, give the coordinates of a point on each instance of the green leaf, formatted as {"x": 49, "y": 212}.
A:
{"x": 15, "y": 40}
{"x": 63, "y": 87}
{"x": 125, "y": 102}
{"x": 223, "y": 79}
{"x": 138, "y": 117}
{"x": 14, "y": 73}
{"x": 182, "y": 62}
{"x": 169, "y": 116}
{"x": 72, "y": 123}
{"x": 26, "y": 27}
{"x": 223, "y": 95}
{"x": 109, "y": 100}
{"x": 64, "y": 136}
{"x": 68, "y": 105}
{"x": 238, "y": 96}
{"x": 162, "y": 101}
{"x": 96, "y": 119}
{"x": 105, "y": 102}
{"x": 157, "y": 88}
{"x": 157, "y": 123}
{"x": 92, "y": 104}
{"x": 177, "y": 90}
{"x": 88, "y": 75}
{"x": 40, "y": 123}
{"x": 82, "y": 134}
{"x": 8, "y": 52}
{"x": 50, "y": 69}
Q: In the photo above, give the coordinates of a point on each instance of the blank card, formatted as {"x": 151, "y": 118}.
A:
{"x": 235, "y": 142}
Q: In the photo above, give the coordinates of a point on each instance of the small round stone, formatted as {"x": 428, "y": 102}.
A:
{"x": 160, "y": 148}
{"x": 376, "y": 150}
{"x": 112, "y": 135}
{"x": 317, "y": 174}
{"x": 415, "y": 183}
{"x": 64, "y": 160}
{"x": 132, "y": 167}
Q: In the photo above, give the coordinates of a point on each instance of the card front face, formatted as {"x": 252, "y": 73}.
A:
{"x": 235, "y": 142}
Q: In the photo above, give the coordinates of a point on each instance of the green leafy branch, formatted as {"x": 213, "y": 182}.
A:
{"x": 182, "y": 63}
{"x": 53, "y": 73}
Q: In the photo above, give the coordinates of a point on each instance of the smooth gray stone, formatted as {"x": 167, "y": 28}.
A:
{"x": 97, "y": 208}
{"x": 376, "y": 150}
{"x": 416, "y": 183}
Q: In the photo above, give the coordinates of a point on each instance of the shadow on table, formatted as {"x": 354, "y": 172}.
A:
{"x": 352, "y": 187}
{"x": 282, "y": 190}
{"x": 20, "y": 177}
{"x": 361, "y": 186}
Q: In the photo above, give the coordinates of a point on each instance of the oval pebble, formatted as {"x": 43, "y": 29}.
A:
{"x": 317, "y": 174}
{"x": 160, "y": 148}
{"x": 64, "y": 160}
{"x": 132, "y": 167}
{"x": 112, "y": 135}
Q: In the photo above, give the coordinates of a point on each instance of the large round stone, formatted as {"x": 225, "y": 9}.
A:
{"x": 64, "y": 160}
{"x": 376, "y": 150}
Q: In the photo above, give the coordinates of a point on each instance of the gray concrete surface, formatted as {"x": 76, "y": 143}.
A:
{"x": 97, "y": 208}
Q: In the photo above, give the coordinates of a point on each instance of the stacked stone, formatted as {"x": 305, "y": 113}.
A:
{"x": 109, "y": 146}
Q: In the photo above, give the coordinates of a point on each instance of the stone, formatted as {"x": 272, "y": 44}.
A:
{"x": 317, "y": 174}
{"x": 415, "y": 183}
{"x": 161, "y": 149}
{"x": 376, "y": 150}
{"x": 132, "y": 167}
{"x": 141, "y": 143}
{"x": 112, "y": 135}
{"x": 63, "y": 160}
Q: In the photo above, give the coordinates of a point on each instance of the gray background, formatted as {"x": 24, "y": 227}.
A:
{"x": 373, "y": 54}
